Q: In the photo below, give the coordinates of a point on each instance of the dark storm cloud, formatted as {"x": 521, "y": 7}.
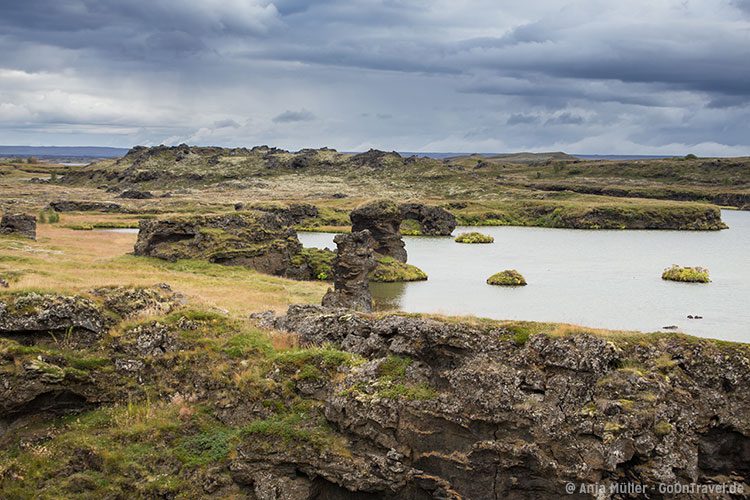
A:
{"x": 438, "y": 74}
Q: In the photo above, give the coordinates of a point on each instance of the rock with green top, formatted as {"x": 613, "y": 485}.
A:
{"x": 390, "y": 270}
{"x": 257, "y": 240}
{"x": 509, "y": 277}
{"x": 686, "y": 274}
{"x": 474, "y": 237}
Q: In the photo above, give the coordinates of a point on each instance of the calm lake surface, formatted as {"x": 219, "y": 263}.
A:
{"x": 607, "y": 279}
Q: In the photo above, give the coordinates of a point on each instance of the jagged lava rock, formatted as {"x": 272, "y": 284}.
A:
{"x": 353, "y": 263}
{"x": 491, "y": 413}
{"x": 84, "y": 206}
{"x": 383, "y": 220}
{"x": 19, "y": 224}
{"x": 292, "y": 214}
{"x": 256, "y": 240}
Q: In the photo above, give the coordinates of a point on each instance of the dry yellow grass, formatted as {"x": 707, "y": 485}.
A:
{"x": 68, "y": 260}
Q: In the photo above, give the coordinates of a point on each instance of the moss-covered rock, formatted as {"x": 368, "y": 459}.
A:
{"x": 509, "y": 277}
{"x": 474, "y": 237}
{"x": 313, "y": 264}
{"x": 686, "y": 274}
{"x": 390, "y": 270}
{"x": 259, "y": 241}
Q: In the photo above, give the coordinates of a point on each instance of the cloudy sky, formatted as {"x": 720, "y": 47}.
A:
{"x": 586, "y": 76}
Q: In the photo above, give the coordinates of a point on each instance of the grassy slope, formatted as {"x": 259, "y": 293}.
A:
{"x": 63, "y": 259}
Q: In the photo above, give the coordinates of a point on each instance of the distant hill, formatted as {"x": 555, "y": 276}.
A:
{"x": 62, "y": 151}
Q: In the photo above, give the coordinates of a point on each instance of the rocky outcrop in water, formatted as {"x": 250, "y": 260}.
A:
{"x": 259, "y": 241}
{"x": 433, "y": 221}
{"x": 18, "y": 224}
{"x": 353, "y": 263}
{"x": 383, "y": 220}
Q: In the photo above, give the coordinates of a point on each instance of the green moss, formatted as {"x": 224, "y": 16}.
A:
{"x": 319, "y": 260}
{"x": 417, "y": 392}
{"x": 662, "y": 428}
{"x": 394, "y": 367}
{"x": 323, "y": 357}
{"x": 300, "y": 427}
{"x": 509, "y": 277}
{"x": 390, "y": 270}
{"x": 613, "y": 427}
{"x": 410, "y": 227}
{"x": 87, "y": 363}
{"x": 474, "y": 237}
{"x": 246, "y": 344}
{"x": 210, "y": 446}
{"x": 686, "y": 274}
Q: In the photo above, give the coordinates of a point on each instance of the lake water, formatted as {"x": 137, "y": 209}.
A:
{"x": 606, "y": 279}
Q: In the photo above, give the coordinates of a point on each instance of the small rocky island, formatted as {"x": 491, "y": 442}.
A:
{"x": 509, "y": 277}
{"x": 474, "y": 237}
{"x": 686, "y": 274}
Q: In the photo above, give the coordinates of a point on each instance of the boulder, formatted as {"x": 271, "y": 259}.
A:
{"x": 383, "y": 220}
{"x": 33, "y": 318}
{"x": 433, "y": 221}
{"x": 353, "y": 263}
{"x": 256, "y": 240}
{"x": 19, "y": 224}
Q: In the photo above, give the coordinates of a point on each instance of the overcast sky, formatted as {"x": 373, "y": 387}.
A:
{"x": 587, "y": 76}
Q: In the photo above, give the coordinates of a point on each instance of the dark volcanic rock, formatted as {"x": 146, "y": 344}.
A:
{"x": 19, "y": 224}
{"x": 383, "y": 220}
{"x": 293, "y": 214}
{"x": 136, "y": 194}
{"x": 486, "y": 413}
{"x": 32, "y": 318}
{"x": 433, "y": 221}
{"x": 353, "y": 263}
{"x": 84, "y": 206}
{"x": 375, "y": 158}
{"x": 256, "y": 240}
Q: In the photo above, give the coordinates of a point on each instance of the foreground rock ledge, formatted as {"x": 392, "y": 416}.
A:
{"x": 496, "y": 413}
{"x": 376, "y": 406}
